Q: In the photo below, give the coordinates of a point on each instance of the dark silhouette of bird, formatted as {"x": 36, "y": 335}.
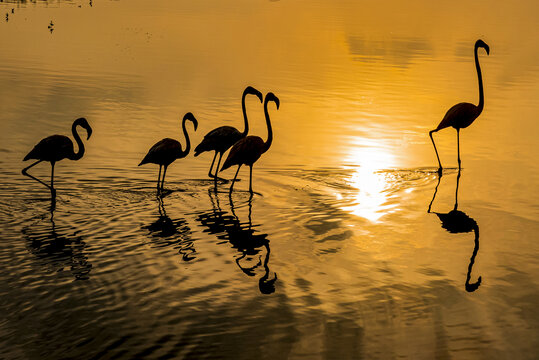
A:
{"x": 223, "y": 137}
{"x": 462, "y": 115}
{"x": 249, "y": 149}
{"x": 455, "y": 222}
{"x": 55, "y": 148}
{"x": 164, "y": 152}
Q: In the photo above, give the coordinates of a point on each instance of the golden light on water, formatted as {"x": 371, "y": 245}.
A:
{"x": 372, "y": 184}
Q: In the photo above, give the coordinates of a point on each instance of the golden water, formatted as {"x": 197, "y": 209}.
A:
{"x": 337, "y": 257}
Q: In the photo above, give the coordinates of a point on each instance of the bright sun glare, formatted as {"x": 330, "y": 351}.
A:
{"x": 370, "y": 200}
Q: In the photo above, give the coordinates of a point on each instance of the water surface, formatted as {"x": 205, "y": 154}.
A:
{"x": 338, "y": 256}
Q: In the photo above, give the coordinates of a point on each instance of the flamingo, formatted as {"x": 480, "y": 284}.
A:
{"x": 462, "y": 115}
{"x": 164, "y": 152}
{"x": 249, "y": 149}
{"x": 223, "y": 137}
{"x": 55, "y": 148}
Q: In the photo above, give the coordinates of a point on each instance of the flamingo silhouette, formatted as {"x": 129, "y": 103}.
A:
{"x": 222, "y": 138}
{"x": 55, "y": 148}
{"x": 457, "y": 221}
{"x": 462, "y": 115}
{"x": 249, "y": 149}
{"x": 164, "y": 152}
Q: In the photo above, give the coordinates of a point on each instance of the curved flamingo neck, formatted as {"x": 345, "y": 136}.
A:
{"x": 80, "y": 153}
{"x": 245, "y": 121}
{"x": 267, "y": 143}
{"x": 480, "y": 79}
{"x": 187, "y": 141}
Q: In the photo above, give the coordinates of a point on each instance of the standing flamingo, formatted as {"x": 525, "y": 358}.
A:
{"x": 249, "y": 149}
{"x": 164, "y": 152}
{"x": 462, "y": 115}
{"x": 223, "y": 137}
{"x": 55, "y": 148}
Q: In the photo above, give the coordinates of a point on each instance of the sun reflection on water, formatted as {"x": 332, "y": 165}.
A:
{"x": 370, "y": 201}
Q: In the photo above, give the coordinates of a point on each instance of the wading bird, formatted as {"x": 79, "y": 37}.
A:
{"x": 462, "y": 115}
{"x": 164, "y": 152}
{"x": 223, "y": 137}
{"x": 249, "y": 149}
{"x": 55, "y": 148}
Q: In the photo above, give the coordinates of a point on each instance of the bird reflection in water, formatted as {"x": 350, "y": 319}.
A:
{"x": 57, "y": 251}
{"x": 457, "y": 221}
{"x": 176, "y": 233}
{"x": 252, "y": 247}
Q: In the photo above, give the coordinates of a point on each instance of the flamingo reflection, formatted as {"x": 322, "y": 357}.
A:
{"x": 175, "y": 233}
{"x": 56, "y": 249}
{"x": 252, "y": 247}
{"x": 457, "y": 221}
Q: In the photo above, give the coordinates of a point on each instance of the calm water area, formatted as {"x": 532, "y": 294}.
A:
{"x": 350, "y": 248}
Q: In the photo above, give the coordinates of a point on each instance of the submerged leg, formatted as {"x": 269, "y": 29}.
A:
{"x": 24, "y": 172}
{"x": 211, "y": 166}
{"x": 217, "y": 170}
{"x": 436, "y": 151}
{"x": 163, "y": 179}
{"x": 235, "y": 176}
{"x": 159, "y": 177}
{"x": 458, "y": 146}
{"x": 53, "y": 191}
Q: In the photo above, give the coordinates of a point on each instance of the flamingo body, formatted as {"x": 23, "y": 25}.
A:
{"x": 52, "y": 148}
{"x": 219, "y": 139}
{"x": 245, "y": 152}
{"x": 164, "y": 152}
{"x": 460, "y": 116}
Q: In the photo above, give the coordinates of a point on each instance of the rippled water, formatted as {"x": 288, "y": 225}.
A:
{"x": 353, "y": 248}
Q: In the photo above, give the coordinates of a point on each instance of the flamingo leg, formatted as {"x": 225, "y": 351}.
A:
{"x": 159, "y": 177}
{"x": 457, "y": 191}
{"x": 458, "y": 146}
{"x": 211, "y": 166}
{"x": 436, "y": 151}
{"x": 53, "y": 191}
{"x": 25, "y": 172}
{"x": 235, "y": 176}
{"x": 163, "y": 179}
{"x": 251, "y": 179}
{"x": 217, "y": 170}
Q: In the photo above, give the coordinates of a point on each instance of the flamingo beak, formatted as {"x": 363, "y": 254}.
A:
{"x": 89, "y": 129}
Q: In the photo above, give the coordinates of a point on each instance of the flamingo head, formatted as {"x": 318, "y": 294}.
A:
{"x": 191, "y": 117}
{"x": 82, "y": 122}
{"x": 251, "y": 90}
{"x": 271, "y": 97}
{"x": 482, "y": 44}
